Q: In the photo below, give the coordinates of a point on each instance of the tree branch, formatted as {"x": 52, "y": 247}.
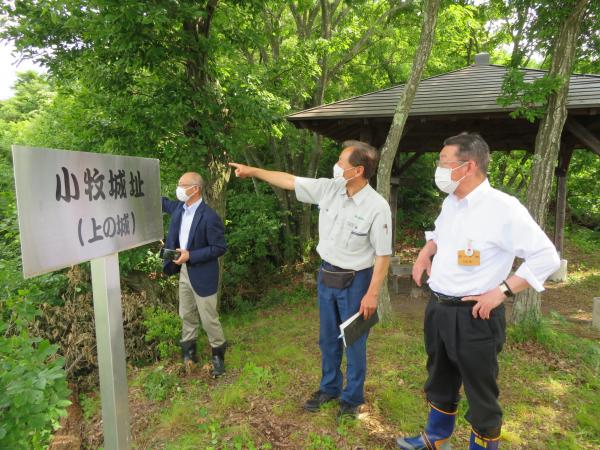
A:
{"x": 362, "y": 42}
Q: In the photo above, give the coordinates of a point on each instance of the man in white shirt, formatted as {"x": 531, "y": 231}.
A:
{"x": 355, "y": 243}
{"x": 477, "y": 236}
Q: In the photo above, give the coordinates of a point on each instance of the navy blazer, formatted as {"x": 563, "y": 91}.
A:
{"x": 205, "y": 244}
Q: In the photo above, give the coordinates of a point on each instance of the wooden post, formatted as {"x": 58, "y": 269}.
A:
{"x": 564, "y": 158}
{"x": 596, "y": 313}
{"x": 395, "y": 183}
{"x": 366, "y": 132}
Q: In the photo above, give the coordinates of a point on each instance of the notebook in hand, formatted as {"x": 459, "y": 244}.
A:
{"x": 355, "y": 326}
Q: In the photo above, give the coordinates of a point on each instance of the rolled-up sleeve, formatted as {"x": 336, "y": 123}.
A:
{"x": 312, "y": 190}
{"x": 380, "y": 233}
{"x": 528, "y": 241}
{"x": 431, "y": 236}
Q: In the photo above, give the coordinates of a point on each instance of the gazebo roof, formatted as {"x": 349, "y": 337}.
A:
{"x": 447, "y": 104}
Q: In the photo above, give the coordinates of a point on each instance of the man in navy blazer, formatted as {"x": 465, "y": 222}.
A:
{"x": 198, "y": 234}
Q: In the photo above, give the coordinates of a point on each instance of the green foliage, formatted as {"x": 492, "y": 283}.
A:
{"x": 509, "y": 172}
{"x": 584, "y": 239}
{"x": 90, "y": 405}
{"x": 163, "y": 330}
{"x": 33, "y": 387}
{"x": 32, "y": 93}
{"x": 158, "y": 384}
{"x": 253, "y": 237}
{"x": 321, "y": 442}
{"x": 144, "y": 258}
{"x": 529, "y": 98}
{"x": 583, "y": 186}
{"x": 418, "y": 198}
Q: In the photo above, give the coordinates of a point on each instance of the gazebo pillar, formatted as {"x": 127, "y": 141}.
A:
{"x": 366, "y": 132}
{"x": 564, "y": 158}
{"x": 395, "y": 184}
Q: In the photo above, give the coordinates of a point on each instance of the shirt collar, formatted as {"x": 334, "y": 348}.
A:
{"x": 360, "y": 196}
{"x": 475, "y": 195}
{"x": 193, "y": 207}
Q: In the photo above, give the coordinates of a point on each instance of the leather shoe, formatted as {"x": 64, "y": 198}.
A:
{"x": 314, "y": 403}
{"x": 347, "y": 411}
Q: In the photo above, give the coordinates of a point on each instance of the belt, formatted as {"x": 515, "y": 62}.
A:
{"x": 451, "y": 301}
{"x": 332, "y": 268}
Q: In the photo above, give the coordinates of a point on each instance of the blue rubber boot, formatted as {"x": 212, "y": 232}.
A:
{"x": 479, "y": 442}
{"x": 439, "y": 428}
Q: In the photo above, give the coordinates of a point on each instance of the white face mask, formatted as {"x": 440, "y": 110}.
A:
{"x": 181, "y": 194}
{"x": 338, "y": 174}
{"x": 443, "y": 179}
{"x": 337, "y": 171}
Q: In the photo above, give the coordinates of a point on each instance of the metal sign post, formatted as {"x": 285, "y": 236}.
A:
{"x": 111, "y": 351}
{"x": 75, "y": 207}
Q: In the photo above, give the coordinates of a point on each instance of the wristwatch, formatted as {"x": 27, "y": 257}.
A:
{"x": 505, "y": 288}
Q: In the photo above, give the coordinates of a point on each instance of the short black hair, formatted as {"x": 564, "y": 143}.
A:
{"x": 471, "y": 146}
{"x": 364, "y": 155}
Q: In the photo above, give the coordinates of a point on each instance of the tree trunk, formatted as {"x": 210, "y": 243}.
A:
{"x": 388, "y": 152}
{"x": 215, "y": 193}
{"x": 547, "y": 145}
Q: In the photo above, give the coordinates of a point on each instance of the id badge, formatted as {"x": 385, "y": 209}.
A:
{"x": 466, "y": 260}
{"x": 469, "y": 256}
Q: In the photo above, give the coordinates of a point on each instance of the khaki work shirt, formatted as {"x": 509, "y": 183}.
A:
{"x": 352, "y": 230}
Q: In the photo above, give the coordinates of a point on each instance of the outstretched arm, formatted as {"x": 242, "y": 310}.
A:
{"x": 281, "y": 180}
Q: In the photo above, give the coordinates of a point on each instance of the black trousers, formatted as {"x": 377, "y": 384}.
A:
{"x": 464, "y": 350}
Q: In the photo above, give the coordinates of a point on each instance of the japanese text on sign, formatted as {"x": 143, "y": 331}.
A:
{"x": 83, "y": 205}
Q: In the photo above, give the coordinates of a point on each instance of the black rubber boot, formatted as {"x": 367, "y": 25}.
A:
{"x": 188, "y": 351}
{"x": 218, "y": 360}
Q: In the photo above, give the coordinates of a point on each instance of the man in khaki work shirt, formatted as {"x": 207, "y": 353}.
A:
{"x": 355, "y": 244}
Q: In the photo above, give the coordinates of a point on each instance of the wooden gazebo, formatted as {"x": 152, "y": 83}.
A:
{"x": 462, "y": 100}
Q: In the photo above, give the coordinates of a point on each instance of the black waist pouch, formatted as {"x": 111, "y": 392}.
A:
{"x": 337, "y": 280}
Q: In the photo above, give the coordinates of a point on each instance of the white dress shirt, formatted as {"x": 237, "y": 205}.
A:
{"x": 352, "y": 230}
{"x": 500, "y": 227}
{"x": 186, "y": 222}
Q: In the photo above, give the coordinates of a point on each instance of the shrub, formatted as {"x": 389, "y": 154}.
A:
{"x": 33, "y": 387}
{"x": 253, "y": 237}
{"x": 163, "y": 329}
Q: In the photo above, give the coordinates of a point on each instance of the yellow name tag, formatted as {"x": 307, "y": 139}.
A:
{"x": 472, "y": 260}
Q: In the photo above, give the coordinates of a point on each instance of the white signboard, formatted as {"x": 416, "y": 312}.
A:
{"x": 77, "y": 206}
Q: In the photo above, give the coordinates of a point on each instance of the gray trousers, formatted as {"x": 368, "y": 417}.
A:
{"x": 194, "y": 308}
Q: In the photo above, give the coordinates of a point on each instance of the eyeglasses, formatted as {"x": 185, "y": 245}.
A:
{"x": 444, "y": 164}
{"x": 186, "y": 185}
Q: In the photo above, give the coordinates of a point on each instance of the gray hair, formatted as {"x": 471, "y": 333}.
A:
{"x": 471, "y": 146}
{"x": 364, "y": 155}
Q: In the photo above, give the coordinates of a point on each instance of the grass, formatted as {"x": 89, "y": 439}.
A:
{"x": 549, "y": 385}
{"x": 549, "y": 380}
